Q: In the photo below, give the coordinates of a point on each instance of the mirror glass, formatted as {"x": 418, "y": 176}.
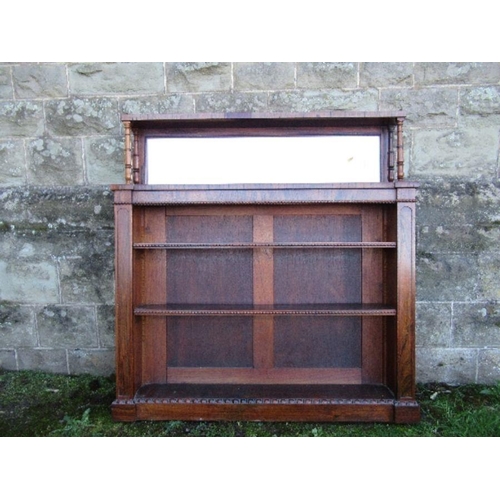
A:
{"x": 256, "y": 160}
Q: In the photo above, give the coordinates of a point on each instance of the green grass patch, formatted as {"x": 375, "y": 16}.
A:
{"x": 41, "y": 404}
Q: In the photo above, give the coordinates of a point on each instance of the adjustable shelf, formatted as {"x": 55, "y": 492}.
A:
{"x": 297, "y": 245}
{"x": 265, "y": 301}
{"x": 264, "y": 310}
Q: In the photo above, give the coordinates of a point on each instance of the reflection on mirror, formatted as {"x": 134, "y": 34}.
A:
{"x": 242, "y": 160}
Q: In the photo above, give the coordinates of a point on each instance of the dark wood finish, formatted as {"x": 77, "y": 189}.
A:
{"x": 264, "y": 376}
{"x": 330, "y": 403}
{"x": 258, "y": 124}
{"x": 265, "y": 302}
{"x": 150, "y": 223}
{"x": 265, "y": 310}
{"x": 400, "y": 148}
{"x": 128, "y": 152}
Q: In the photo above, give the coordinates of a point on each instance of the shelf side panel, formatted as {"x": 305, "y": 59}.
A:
{"x": 127, "y": 348}
{"x": 406, "y": 302}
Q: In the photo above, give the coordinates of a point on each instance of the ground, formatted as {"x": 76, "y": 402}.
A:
{"x": 40, "y": 404}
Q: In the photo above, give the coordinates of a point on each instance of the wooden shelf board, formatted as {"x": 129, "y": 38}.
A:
{"x": 279, "y": 393}
{"x": 266, "y": 310}
{"x": 298, "y": 245}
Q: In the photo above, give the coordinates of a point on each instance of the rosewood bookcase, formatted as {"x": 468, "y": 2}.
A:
{"x": 265, "y": 301}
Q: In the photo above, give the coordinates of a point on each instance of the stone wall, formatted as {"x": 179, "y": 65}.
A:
{"x": 61, "y": 146}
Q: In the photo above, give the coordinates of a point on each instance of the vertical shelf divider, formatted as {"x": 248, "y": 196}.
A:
{"x": 263, "y": 292}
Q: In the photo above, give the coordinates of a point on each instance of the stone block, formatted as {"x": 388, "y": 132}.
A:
{"x": 386, "y": 74}
{"x": 264, "y": 76}
{"x": 327, "y": 75}
{"x": 55, "y": 162}
{"x": 29, "y": 248}
{"x": 481, "y": 101}
{"x": 458, "y": 277}
{"x": 30, "y": 262}
{"x": 116, "y": 78}
{"x": 489, "y": 366}
{"x": 62, "y": 326}
{"x": 172, "y": 103}
{"x": 466, "y": 152}
{"x": 448, "y": 365}
{"x": 89, "y": 277}
{"x": 6, "y": 83}
{"x": 489, "y": 276}
{"x": 198, "y": 76}
{"x": 444, "y": 237}
{"x": 106, "y": 325}
{"x": 445, "y": 277}
{"x": 476, "y": 325}
{"x": 55, "y": 246}
{"x": 458, "y": 203}
{"x": 94, "y": 361}
{"x": 8, "y": 359}
{"x": 426, "y": 107}
{"x": 28, "y": 266}
{"x": 17, "y": 328}
{"x": 63, "y": 209}
{"x": 45, "y": 360}
{"x": 28, "y": 281}
{"x": 433, "y": 324}
{"x": 456, "y": 73}
{"x": 82, "y": 117}
{"x": 230, "y": 102}
{"x": 104, "y": 160}
{"x": 303, "y": 101}
{"x": 21, "y": 119}
{"x": 15, "y": 246}
{"x": 175, "y": 103}
{"x": 33, "y": 81}
{"x": 12, "y": 163}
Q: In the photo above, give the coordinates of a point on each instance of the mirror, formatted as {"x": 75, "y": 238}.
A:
{"x": 256, "y": 160}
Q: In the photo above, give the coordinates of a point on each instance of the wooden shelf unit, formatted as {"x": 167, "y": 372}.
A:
{"x": 266, "y": 302}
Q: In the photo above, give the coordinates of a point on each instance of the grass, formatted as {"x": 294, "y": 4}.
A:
{"x": 41, "y": 404}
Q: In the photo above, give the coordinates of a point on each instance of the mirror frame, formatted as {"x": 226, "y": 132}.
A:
{"x": 388, "y": 126}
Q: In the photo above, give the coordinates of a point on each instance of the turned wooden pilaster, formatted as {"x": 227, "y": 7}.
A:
{"x": 128, "y": 152}
{"x": 391, "y": 163}
{"x": 400, "y": 151}
{"x": 135, "y": 167}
